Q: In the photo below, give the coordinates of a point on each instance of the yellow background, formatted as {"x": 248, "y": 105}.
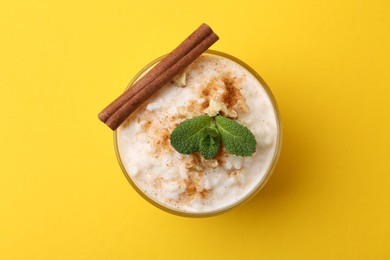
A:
{"x": 63, "y": 195}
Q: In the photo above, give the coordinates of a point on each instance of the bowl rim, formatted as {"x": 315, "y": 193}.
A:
{"x": 255, "y": 190}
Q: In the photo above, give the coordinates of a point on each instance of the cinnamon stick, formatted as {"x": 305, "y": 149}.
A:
{"x": 116, "y": 119}
{"x": 186, "y": 46}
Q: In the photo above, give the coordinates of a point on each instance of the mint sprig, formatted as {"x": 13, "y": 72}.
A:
{"x": 205, "y": 133}
{"x": 185, "y": 137}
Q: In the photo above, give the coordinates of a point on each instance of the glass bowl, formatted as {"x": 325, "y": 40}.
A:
{"x": 259, "y": 185}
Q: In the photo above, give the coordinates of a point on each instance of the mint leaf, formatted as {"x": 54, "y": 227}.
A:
{"x": 185, "y": 137}
{"x": 209, "y": 142}
{"x": 236, "y": 138}
{"x": 205, "y": 135}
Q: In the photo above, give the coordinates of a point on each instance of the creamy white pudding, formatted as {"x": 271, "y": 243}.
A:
{"x": 213, "y": 84}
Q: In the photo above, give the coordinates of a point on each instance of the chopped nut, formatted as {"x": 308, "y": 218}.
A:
{"x": 180, "y": 79}
{"x": 197, "y": 168}
{"x": 232, "y": 114}
{"x": 242, "y": 105}
{"x": 183, "y": 111}
{"x": 189, "y": 165}
{"x": 210, "y": 163}
{"x": 189, "y": 162}
{"x": 215, "y": 107}
{"x": 192, "y": 164}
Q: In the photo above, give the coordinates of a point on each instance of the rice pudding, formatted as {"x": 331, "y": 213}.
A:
{"x": 189, "y": 184}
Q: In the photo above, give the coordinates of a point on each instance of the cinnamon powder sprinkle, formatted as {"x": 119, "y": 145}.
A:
{"x": 205, "y": 104}
{"x": 190, "y": 187}
{"x": 193, "y": 106}
{"x": 209, "y": 89}
{"x": 165, "y": 139}
{"x": 231, "y": 93}
{"x": 203, "y": 194}
{"x": 146, "y": 125}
